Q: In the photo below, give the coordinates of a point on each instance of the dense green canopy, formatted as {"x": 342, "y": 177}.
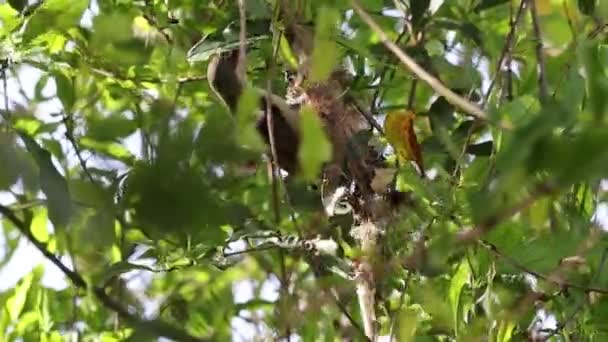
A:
{"x": 122, "y": 166}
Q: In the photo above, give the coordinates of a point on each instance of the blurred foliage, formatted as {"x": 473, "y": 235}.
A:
{"x": 118, "y": 157}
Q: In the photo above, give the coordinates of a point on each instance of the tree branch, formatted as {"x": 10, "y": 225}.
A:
{"x": 506, "y": 50}
{"x": 455, "y": 99}
{"x": 156, "y": 327}
{"x": 540, "y": 56}
{"x": 549, "y": 278}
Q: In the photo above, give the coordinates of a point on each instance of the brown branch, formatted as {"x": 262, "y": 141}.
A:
{"x": 540, "y": 56}
{"x": 69, "y": 134}
{"x": 455, "y": 99}
{"x": 157, "y": 327}
{"x": 242, "y": 59}
{"x": 369, "y": 116}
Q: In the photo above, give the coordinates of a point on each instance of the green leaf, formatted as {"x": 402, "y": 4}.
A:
{"x": 205, "y": 48}
{"x": 408, "y": 323}
{"x": 58, "y": 15}
{"x": 315, "y": 148}
{"x": 89, "y": 194}
{"x": 9, "y": 173}
{"x": 597, "y": 80}
{"x": 556, "y": 30}
{"x": 572, "y": 159}
{"x": 505, "y": 331}
{"x": 29, "y": 126}
{"x": 124, "y": 266}
{"x": 9, "y": 18}
{"x": 16, "y": 302}
{"x": 325, "y": 55}
{"x": 52, "y": 183}
{"x": 110, "y": 149}
{"x": 459, "y": 279}
{"x": 247, "y": 114}
{"x": 65, "y": 90}
{"x": 109, "y": 128}
{"x": 38, "y": 226}
{"x": 113, "y": 27}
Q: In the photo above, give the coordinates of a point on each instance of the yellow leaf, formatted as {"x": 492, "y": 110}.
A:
{"x": 544, "y": 7}
{"x": 399, "y": 130}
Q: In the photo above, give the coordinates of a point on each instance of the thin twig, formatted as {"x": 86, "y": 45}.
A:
{"x": 506, "y": 50}
{"x": 269, "y": 121}
{"x": 157, "y": 327}
{"x": 367, "y": 115}
{"x": 346, "y": 314}
{"x": 433, "y": 82}
{"x": 508, "y": 95}
{"x": 411, "y": 98}
{"x": 274, "y": 169}
{"x": 386, "y": 72}
{"x": 398, "y": 311}
{"x": 556, "y": 275}
{"x": 69, "y": 134}
{"x": 242, "y": 60}
{"x": 581, "y": 303}
{"x": 6, "y": 114}
{"x": 549, "y": 278}
{"x": 154, "y": 23}
{"x": 540, "y": 56}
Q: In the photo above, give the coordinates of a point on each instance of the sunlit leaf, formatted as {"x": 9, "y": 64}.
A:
{"x": 205, "y": 48}
{"x": 597, "y": 79}
{"x": 39, "y": 225}
{"x": 29, "y": 126}
{"x": 57, "y": 15}
{"x": 110, "y": 149}
{"x": 459, "y": 280}
{"x": 9, "y": 17}
{"x": 15, "y": 304}
{"x": 325, "y": 54}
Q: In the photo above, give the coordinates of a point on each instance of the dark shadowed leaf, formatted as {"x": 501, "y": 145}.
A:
{"x": 52, "y": 183}
{"x": 487, "y": 4}
{"x": 315, "y": 148}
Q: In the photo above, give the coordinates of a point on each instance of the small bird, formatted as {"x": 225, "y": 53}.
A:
{"x": 223, "y": 79}
{"x": 399, "y": 131}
